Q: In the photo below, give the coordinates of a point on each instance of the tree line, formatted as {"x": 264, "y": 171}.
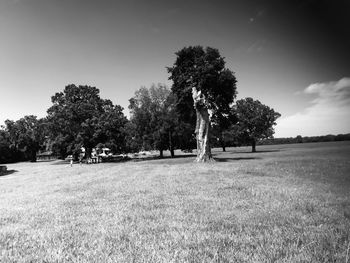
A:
{"x": 199, "y": 110}
{"x": 306, "y": 139}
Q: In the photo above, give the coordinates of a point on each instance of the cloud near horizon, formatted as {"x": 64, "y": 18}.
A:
{"x": 328, "y": 114}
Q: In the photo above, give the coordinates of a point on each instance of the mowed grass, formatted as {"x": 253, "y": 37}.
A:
{"x": 286, "y": 203}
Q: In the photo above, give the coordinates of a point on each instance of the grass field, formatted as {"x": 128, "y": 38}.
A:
{"x": 286, "y": 203}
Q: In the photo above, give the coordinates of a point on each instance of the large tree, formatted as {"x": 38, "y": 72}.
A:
{"x": 200, "y": 80}
{"x": 26, "y": 136}
{"x": 255, "y": 121}
{"x": 7, "y": 153}
{"x": 79, "y": 117}
{"x": 141, "y": 116}
{"x": 154, "y": 118}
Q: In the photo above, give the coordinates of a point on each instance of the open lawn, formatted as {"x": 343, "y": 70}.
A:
{"x": 285, "y": 203}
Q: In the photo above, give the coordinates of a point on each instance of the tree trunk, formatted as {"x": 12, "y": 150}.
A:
{"x": 161, "y": 153}
{"x": 253, "y": 145}
{"x": 223, "y": 142}
{"x": 88, "y": 151}
{"x": 202, "y": 127}
{"x": 33, "y": 156}
{"x": 171, "y": 148}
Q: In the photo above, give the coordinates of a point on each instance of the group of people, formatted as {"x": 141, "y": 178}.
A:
{"x": 93, "y": 159}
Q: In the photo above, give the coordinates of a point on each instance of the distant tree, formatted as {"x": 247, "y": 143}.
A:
{"x": 141, "y": 117}
{"x": 154, "y": 118}
{"x": 299, "y": 139}
{"x": 306, "y": 139}
{"x": 342, "y": 137}
{"x": 26, "y": 135}
{"x": 222, "y": 128}
{"x": 131, "y": 139}
{"x": 165, "y": 119}
{"x": 13, "y": 133}
{"x": 200, "y": 80}
{"x": 79, "y": 117}
{"x": 7, "y": 154}
{"x": 255, "y": 121}
{"x": 111, "y": 127}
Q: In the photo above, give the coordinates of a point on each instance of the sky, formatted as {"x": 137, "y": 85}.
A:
{"x": 292, "y": 55}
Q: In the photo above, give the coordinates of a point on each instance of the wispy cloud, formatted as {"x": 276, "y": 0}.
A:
{"x": 328, "y": 114}
{"x": 332, "y": 92}
{"x": 257, "y": 16}
{"x": 257, "y": 46}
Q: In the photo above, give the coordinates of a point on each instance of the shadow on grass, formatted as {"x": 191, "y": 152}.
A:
{"x": 60, "y": 162}
{"x": 267, "y": 151}
{"x": 65, "y": 162}
{"x": 177, "y": 159}
{"x": 8, "y": 172}
{"x": 262, "y": 151}
{"x": 47, "y": 161}
{"x": 223, "y": 159}
{"x": 190, "y": 158}
{"x": 166, "y": 159}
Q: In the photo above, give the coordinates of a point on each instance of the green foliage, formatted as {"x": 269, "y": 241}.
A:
{"x": 255, "y": 120}
{"x": 142, "y": 113}
{"x": 154, "y": 121}
{"x": 7, "y": 153}
{"x": 26, "y": 136}
{"x": 222, "y": 129}
{"x": 79, "y": 117}
{"x": 132, "y": 142}
{"x": 307, "y": 139}
{"x": 205, "y": 70}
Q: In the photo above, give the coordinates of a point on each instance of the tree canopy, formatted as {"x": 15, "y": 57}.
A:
{"x": 26, "y": 136}
{"x": 79, "y": 117}
{"x": 154, "y": 118}
{"x": 255, "y": 120}
{"x": 204, "y": 69}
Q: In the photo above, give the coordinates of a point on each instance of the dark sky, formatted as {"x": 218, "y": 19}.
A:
{"x": 291, "y": 55}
